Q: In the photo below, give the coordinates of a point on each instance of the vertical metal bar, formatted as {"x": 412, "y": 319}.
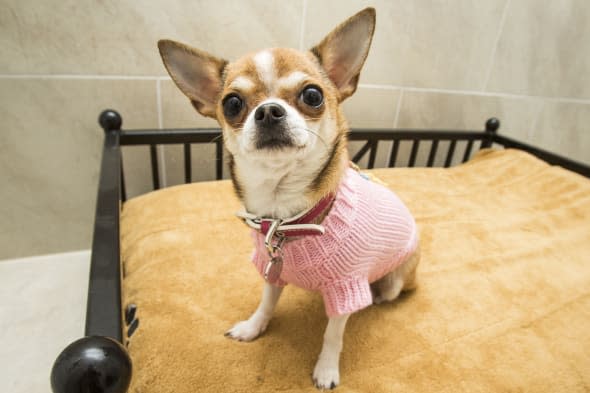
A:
{"x": 103, "y": 307}
{"x": 468, "y": 151}
{"x": 155, "y": 171}
{"x": 219, "y": 159}
{"x": 432, "y": 154}
{"x": 372, "y": 154}
{"x": 360, "y": 154}
{"x": 393, "y": 154}
{"x": 450, "y": 154}
{"x": 414, "y": 153}
{"x": 187, "y": 163}
{"x": 123, "y": 191}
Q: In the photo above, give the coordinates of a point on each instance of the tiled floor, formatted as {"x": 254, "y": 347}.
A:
{"x": 42, "y": 308}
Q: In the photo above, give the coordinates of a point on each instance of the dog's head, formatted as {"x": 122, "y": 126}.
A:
{"x": 277, "y": 105}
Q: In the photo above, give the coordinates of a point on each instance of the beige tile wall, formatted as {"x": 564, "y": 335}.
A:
{"x": 440, "y": 64}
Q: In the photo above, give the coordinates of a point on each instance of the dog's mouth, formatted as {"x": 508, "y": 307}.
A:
{"x": 274, "y": 143}
{"x": 274, "y": 139}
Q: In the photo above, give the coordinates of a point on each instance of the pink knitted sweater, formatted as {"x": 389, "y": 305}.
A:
{"x": 369, "y": 232}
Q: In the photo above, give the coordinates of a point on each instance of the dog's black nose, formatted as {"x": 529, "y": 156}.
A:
{"x": 269, "y": 114}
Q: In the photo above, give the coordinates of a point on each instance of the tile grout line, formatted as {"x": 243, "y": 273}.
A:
{"x": 396, "y": 120}
{"x": 533, "y": 128}
{"x": 474, "y": 93}
{"x": 82, "y": 76}
{"x": 302, "y": 32}
{"x": 378, "y": 86}
{"x": 44, "y": 257}
{"x": 159, "y": 104}
{"x": 495, "y": 47}
{"x": 161, "y": 152}
{"x": 398, "y": 109}
{"x": 362, "y": 85}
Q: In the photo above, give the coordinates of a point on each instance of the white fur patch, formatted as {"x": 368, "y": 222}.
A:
{"x": 242, "y": 83}
{"x": 264, "y": 62}
{"x": 293, "y": 80}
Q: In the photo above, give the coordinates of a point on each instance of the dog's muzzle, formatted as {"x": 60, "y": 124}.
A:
{"x": 272, "y": 130}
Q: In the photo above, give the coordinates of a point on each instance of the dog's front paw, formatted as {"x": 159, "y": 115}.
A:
{"x": 247, "y": 330}
{"x": 326, "y": 375}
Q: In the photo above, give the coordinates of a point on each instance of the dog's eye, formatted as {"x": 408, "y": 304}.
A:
{"x": 312, "y": 96}
{"x": 232, "y": 105}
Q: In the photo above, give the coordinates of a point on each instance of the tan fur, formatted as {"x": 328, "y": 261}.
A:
{"x": 410, "y": 282}
{"x": 328, "y": 178}
{"x": 403, "y": 278}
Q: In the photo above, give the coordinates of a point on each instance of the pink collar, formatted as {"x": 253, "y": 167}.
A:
{"x": 276, "y": 231}
{"x": 299, "y": 225}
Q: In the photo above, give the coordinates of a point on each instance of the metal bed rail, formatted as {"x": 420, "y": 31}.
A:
{"x": 107, "y": 326}
{"x": 155, "y": 137}
{"x": 547, "y": 156}
{"x": 104, "y": 314}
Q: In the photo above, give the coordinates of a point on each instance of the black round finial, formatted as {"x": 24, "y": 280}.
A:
{"x": 110, "y": 119}
{"x": 492, "y": 125}
{"x": 92, "y": 364}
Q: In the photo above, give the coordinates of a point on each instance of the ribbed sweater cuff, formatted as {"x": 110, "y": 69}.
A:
{"x": 346, "y": 297}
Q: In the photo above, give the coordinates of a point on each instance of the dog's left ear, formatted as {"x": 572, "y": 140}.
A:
{"x": 343, "y": 52}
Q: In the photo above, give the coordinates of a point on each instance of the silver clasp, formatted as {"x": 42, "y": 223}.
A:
{"x": 274, "y": 240}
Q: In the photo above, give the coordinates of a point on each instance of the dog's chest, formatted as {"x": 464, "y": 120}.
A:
{"x": 275, "y": 193}
{"x": 367, "y": 233}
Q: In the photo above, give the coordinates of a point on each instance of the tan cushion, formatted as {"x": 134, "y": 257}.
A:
{"x": 502, "y": 305}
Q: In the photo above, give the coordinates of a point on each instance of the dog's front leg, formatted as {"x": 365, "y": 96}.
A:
{"x": 326, "y": 374}
{"x": 254, "y": 326}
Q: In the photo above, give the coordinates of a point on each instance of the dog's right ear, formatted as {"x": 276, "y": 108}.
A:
{"x": 196, "y": 73}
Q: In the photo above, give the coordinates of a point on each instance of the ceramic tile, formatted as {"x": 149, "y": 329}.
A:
{"x": 442, "y": 44}
{"x": 42, "y": 310}
{"x": 202, "y": 163}
{"x": 137, "y": 169}
{"x": 119, "y": 37}
{"x": 177, "y": 112}
{"x": 463, "y": 112}
{"x": 543, "y": 50}
{"x": 372, "y": 108}
{"x": 50, "y": 156}
{"x": 563, "y": 128}
{"x": 51, "y": 144}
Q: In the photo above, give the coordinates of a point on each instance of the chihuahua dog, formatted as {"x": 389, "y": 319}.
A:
{"x": 317, "y": 223}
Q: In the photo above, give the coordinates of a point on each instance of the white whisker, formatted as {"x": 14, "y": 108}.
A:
{"x": 318, "y": 136}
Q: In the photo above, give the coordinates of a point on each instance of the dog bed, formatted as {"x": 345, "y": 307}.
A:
{"x": 503, "y": 302}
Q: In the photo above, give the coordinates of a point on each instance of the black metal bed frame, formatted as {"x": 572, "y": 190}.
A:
{"x": 106, "y": 326}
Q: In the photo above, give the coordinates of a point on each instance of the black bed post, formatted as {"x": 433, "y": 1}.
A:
{"x": 492, "y": 126}
{"x": 98, "y": 363}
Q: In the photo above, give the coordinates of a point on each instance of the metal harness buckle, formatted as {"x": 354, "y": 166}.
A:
{"x": 273, "y": 242}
